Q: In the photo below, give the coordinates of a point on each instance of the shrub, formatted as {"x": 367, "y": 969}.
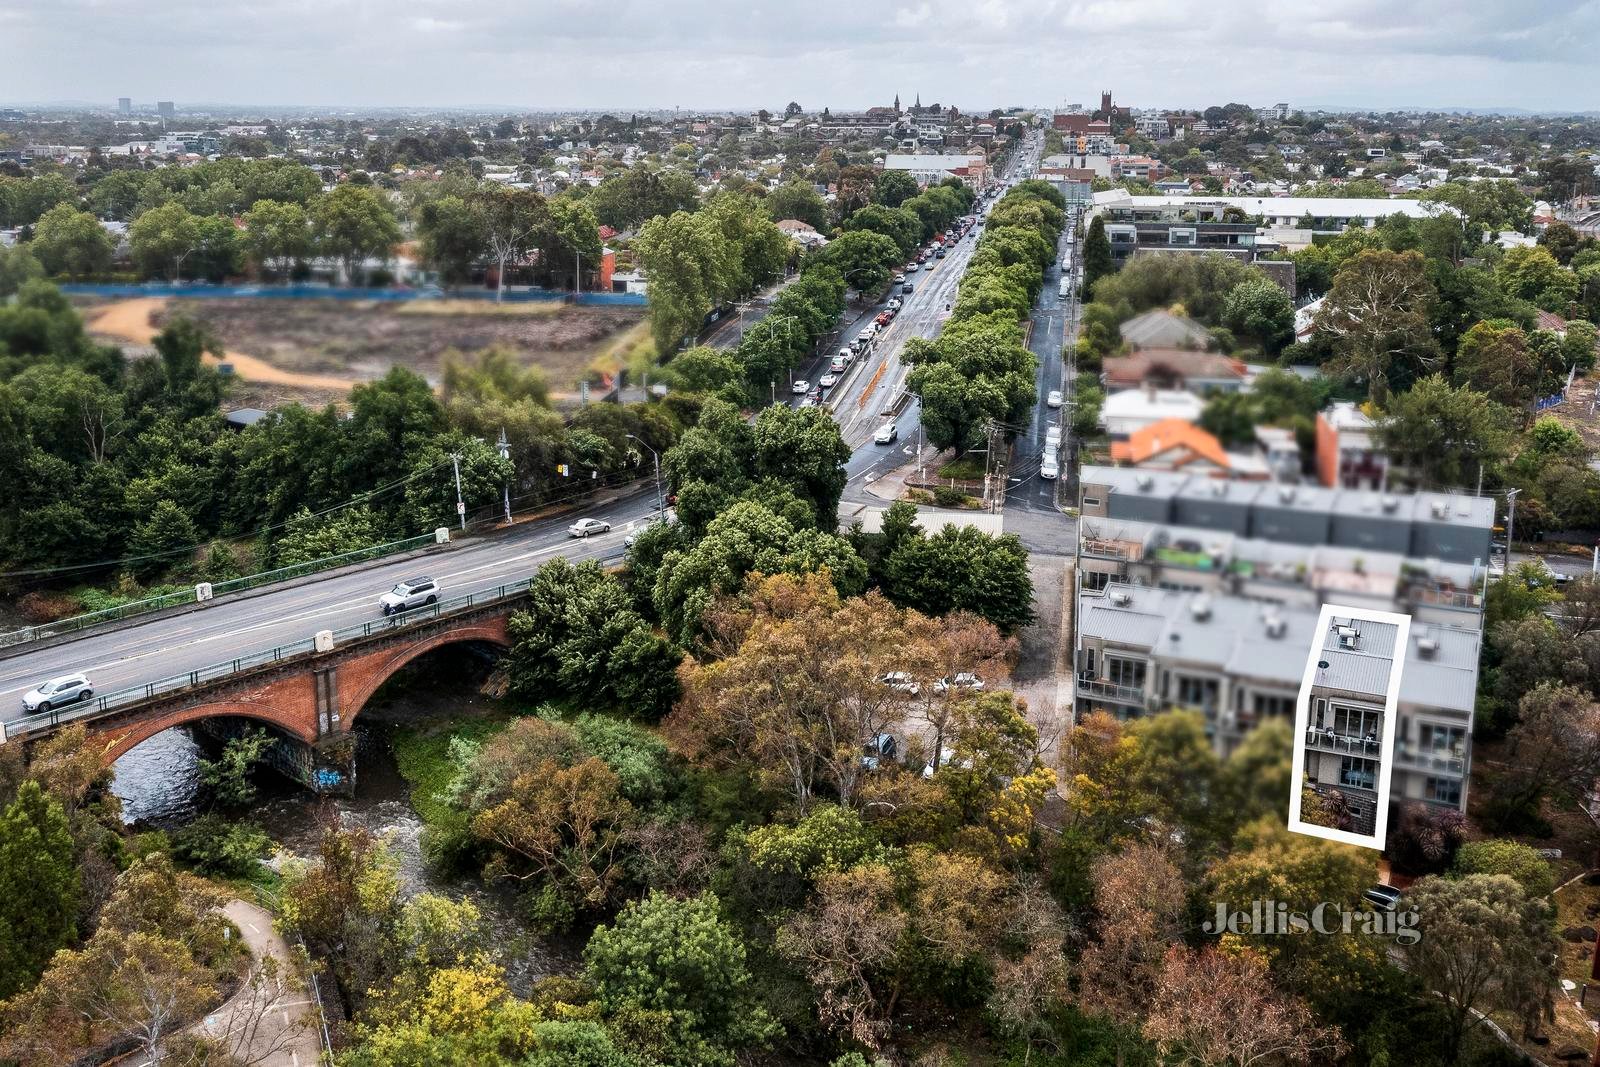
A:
{"x": 42, "y": 606}
{"x": 213, "y": 846}
{"x": 1512, "y": 858}
{"x": 948, "y": 496}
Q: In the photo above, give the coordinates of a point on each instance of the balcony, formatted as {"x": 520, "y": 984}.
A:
{"x": 1104, "y": 690}
{"x": 1442, "y": 761}
{"x": 1329, "y": 741}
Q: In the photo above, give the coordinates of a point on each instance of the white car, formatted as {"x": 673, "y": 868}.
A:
{"x": 588, "y": 527}
{"x": 56, "y": 692}
{"x": 901, "y": 682}
{"x": 963, "y": 680}
{"x": 411, "y": 593}
{"x": 1054, "y": 399}
{"x": 1049, "y": 467}
{"x": 887, "y": 434}
{"x": 800, "y": 388}
{"x": 828, "y": 381}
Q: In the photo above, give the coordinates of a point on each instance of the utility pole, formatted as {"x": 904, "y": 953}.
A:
{"x": 461, "y": 505}
{"x": 661, "y": 503}
{"x": 1511, "y": 524}
{"x": 504, "y": 448}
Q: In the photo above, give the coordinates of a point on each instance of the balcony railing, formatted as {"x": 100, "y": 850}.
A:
{"x": 1441, "y": 762}
{"x": 1122, "y": 694}
{"x": 1329, "y": 741}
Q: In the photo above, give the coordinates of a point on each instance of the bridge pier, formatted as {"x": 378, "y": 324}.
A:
{"x": 326, "y": 766}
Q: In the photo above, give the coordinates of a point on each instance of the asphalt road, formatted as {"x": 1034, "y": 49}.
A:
{"x": 162, "y": 647}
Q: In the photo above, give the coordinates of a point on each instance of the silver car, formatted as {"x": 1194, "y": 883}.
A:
{"x": 411, "y": 593}
{"x": 588, "y": 527}
{"x": 57, "y": 692}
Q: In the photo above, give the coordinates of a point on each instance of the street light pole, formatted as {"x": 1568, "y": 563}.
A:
{"x": 1511, "y": 524}
{"x": 461, "y": 506}
{"x": 661, "y": 504}
{"x": 504, "y": 448}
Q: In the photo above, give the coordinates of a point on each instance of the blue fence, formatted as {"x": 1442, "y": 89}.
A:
{"x": 1548, "y": 402}
{"x": 329, "y": 292}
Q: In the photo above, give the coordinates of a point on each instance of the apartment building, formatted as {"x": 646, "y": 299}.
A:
{"x": 1344, "y": 729}
{"x": 1203, "y": 593}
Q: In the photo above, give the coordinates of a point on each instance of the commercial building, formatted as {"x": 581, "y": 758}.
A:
{"x": 931, "y": 169}
{"x": 124, "y": 105}
{"x": 1324, "y": 214}
{"x": 1199, "y": 592}
{"x": 165, "y": 109}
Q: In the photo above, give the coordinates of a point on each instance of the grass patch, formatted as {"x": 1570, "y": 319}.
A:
{"x": 967, "y": 468}
{"x": 634, "y": 349}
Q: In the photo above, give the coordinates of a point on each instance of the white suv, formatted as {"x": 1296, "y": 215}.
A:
{"x": 56, "y": 692}
{"x": 411, "y": 593}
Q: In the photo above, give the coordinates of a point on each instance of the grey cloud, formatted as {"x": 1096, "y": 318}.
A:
{"x": 705, "y": 53}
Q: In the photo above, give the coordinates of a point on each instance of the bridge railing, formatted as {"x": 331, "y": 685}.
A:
{"x": 100, "y": 705}
{"x": 188, "y": 596}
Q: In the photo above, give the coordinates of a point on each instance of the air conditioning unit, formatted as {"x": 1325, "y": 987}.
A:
{"x": 1391, "y": 504}
{"x": 1120, "y": 597}
{"x": 1145, "y": 483}
{"x": 1286, "y": 494}
{"x": 1427, "y": 647}
{"x": 1219, "y": 488}
{"x": 1277, "y": 626}
{"x": 1439, "y": 508}
{"x": 1200, "y": 608}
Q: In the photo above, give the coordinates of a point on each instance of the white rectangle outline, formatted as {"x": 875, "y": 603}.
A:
{"x": 1391, "y": 707}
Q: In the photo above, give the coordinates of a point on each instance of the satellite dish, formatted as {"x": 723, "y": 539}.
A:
{"x": 1322, "y": 664}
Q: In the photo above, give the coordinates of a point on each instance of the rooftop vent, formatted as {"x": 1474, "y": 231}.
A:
{"x": 1277, "y": 626}
{"x": 1145, "y": 482}
{"x": 1219, "y": 487}
{"x": 1286, "y": 494}
{"x": 1391, "y": 504}
{"x": 1200, "y": 608}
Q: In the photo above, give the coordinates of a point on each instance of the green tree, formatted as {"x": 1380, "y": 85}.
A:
{"x": 1096, "y": 254}
{"x": 276, "y": 233}
{"x": 688, "y": 262}
{"x": 312, "y": 537}
{"x": 798, "y": 200}
{"x": 1445, "y": 433}
{"x": 863, "y": 258}
{"x": 961, "y": 568}
{"x": 18, "y": 267}
{"x": 903, "y": 227}
{"x": 162, "y": 238}
{"x": 453, "y": 235}
{"x": 355, "y": 223}
{"x": 1511, "y": 858}
{"x": 893, "y": 188}
{"x": 1262, "y": 310}
{"x": 160, "y": 540}
{"x": 677, "y": 961}
{"x": 229, "y": 776}
{"x": 1495, "y": 359}
{"x": 1485, "y": 945}
{"x": 1376, "y": 311}
{"x": 1532, "y": 273}
{"x": 71, "y": 242}
{"x": 39, "y": 887}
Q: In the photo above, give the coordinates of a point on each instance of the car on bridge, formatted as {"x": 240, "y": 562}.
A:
{"x": 588, "y": 527}
{"x": 68, "y": 689}
{"x": 411, "y": 593}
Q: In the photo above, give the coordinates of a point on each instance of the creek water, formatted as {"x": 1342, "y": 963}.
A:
{"x": 160, "y": 787}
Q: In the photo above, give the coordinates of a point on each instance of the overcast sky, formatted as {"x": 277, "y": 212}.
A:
{"x": 846, "y": 54}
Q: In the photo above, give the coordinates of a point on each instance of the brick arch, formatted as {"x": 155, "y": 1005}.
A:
{"x": 286, "y": 717}
{"x": 360, "y": 678}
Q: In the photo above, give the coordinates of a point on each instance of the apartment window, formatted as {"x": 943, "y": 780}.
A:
{"x": 1319, "y": 711}
{"x": 1091, "y": 501}
{"x": 1358, "y": 722}
{"x": 1267, "y": 704}
{"x": 1441, "y": 740}
{"x": 1088, "y": 662}
{"x": 1197, "y": 692}
{"x": 1096, "y": 580}
{"x": 1128, "y": 672}
{"x": 1443, "y": 790}
{"x": 1358, "y": 773}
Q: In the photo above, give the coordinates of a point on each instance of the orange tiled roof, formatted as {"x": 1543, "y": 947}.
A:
{"x": 1160, "y": 438}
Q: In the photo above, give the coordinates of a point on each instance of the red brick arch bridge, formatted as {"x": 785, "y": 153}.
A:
{"x": 312, "y": 698}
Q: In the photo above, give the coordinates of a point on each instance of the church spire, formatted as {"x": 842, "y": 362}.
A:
{"x": 918, "y": 105}
{"x": 897, "y": 103}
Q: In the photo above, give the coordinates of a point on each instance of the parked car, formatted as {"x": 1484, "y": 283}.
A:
{"x": 906, "y": 288}
{"x": 894, "y": 304}
{"x": 899, "y": 278}
{"x": 945, "y": 757}
{"x": 939, "y": 254}
{"x": 588, "y": 527}
{"x": 901, "y": 682}
{"x": 1054, "y": 399}
{"x": 883, "y": 747}
{"x": 963, "y": 680}
{"x": 1382, "y": 896}
{"x": 800, "y": 388}
{"x": 887, "y": 434}
{"x": 68, "y": 689}
{"x": 411, "y": 593}
{"x": 1049, "y": 467}
{"x": 884, "y": 318}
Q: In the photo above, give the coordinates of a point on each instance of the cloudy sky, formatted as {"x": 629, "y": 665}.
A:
{"x": 842, "y": 53}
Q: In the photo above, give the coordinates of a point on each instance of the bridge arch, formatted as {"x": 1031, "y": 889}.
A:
{"x": 124, "y": 738}
{"x": 359, "y": 679}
